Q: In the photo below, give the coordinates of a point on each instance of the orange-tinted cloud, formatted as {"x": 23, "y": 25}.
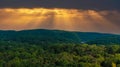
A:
{"x": 63, "y": 19}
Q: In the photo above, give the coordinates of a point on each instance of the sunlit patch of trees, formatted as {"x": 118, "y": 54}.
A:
{"x": 14, "y": 54}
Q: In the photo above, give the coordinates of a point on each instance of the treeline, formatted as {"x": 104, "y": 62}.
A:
{"x": 41, "y": 36}
{"x": 106, "y": 40}
{"x": 14, "y": 54}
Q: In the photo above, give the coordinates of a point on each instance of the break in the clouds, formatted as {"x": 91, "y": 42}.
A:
{"x": 74, "y": 4}
{"x": 73, "y": 15}
{"x": 63, "y": 19}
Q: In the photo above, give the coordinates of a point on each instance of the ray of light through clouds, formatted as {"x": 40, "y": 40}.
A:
{"x": 63, "y": 19}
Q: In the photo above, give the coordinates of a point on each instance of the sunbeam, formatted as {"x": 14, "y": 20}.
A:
{"x": 63, "y": 19}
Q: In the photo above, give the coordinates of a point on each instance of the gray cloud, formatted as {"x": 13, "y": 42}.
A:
{"x": 76, "y": 4}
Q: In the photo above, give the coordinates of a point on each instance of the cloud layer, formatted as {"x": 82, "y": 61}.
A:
{"x": 74, "y": 4}
{"x": 63, "y": 19}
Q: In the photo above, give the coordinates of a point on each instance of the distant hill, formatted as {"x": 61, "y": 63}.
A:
{"x": 39, "y": 36}
{"x": 106, "y": 40}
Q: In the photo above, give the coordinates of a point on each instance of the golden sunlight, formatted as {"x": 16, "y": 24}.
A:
{"x": 63, "y": 19}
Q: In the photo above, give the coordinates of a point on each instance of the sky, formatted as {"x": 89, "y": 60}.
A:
{"x": 72, "y": 15}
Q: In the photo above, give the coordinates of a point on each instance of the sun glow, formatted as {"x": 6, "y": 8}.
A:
{"x": 65, "y": 19}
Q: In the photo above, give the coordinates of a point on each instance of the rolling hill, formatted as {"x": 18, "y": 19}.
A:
{"x": 39, "y": 36}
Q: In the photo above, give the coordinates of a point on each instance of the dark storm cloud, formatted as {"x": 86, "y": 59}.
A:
{"x": 79, "y": 4}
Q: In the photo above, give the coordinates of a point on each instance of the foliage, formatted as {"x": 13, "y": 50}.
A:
{"x": 14, "y": 54}
{"x": 53, "y": 48}
{"x": 41, "y": 36}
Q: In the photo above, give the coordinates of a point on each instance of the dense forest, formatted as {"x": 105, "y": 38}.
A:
{"x": 41, "y": 36}
{"x": 13, "y": 54}
{"x": 53, "y": 48}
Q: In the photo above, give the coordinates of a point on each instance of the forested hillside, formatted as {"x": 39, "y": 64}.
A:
{"x": 41, "y": 36}
{"x": 55, "y": 48}
{"x": 106, "y": 40}
{"x": 14, "y": 54}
